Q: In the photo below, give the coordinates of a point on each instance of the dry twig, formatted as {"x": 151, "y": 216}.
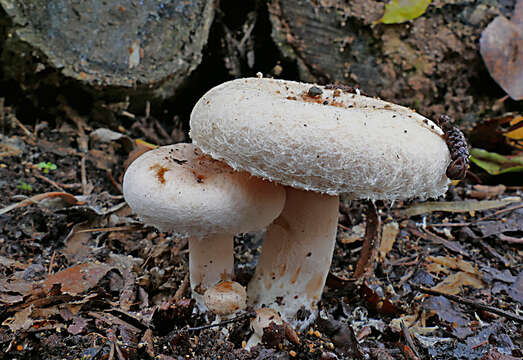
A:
{"x": 47, "y": 180}
{"x": 471, "y": 303}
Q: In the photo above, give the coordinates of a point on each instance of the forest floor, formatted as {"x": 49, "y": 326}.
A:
{"x": 82, "y": 278}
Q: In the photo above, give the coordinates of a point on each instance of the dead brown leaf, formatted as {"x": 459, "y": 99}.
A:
{"x": 356, "y": 233}
{"x": 79, "y": 278}
{"x": 388, "y": 237}
{"x": 452, "y": 263}
{"x": 140, "y": 148}
{"x": 500, "y": 46}
{"x": 452, "y": 284}
{"x": 13, "y": 285}
{"x": 449, "y": 313}
{"x": 491, "y": 134}
{"x": 513, "y": 222}
{"x": 481, "y": 192}
{"x": 22, "y": 320}
{"x": 376, "y": 303}
{"x": 78, "y": 326}
{"x": 494, "y": 354}
{"x": 77, "y": 241}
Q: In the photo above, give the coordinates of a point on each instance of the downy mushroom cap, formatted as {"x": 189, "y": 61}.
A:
{"x": 225, "y": 298}
{"x": 332, "y": 142}
{"x": 178, "y": 188}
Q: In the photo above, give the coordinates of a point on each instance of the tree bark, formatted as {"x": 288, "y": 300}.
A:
{"x": 431, "y": 63}
{"x": 129, "y": 46}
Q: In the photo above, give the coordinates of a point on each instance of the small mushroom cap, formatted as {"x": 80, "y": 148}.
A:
{"x": 225, "y": 298}
{"x": 177, "y": 188}
{"x": 332, "y": 142}
{"x": 264, "y": 317}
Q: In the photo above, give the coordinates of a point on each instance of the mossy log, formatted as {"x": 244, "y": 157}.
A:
{"x": 127, "y": 47}
{"x": 431, "y": 63}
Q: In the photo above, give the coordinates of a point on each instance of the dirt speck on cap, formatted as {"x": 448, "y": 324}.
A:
{"x": 160, "y": 172}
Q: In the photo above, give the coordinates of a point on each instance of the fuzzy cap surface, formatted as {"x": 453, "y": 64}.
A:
{"x": 178, "y": 188}
{"x": 335, "y": 142}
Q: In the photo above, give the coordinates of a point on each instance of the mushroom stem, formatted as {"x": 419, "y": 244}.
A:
{"x": 296, "y": 257}
{"x": 210, "y": 261}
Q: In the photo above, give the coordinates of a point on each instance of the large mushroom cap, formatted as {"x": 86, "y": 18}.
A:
{"x": 177, "y": 188}
{"x": 333, "y": 142}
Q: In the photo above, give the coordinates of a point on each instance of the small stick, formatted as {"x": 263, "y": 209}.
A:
{"x": 510, "y": 239}
{"x": 241, "y": 317}
{"x": 83, "y": 173}
{"x": 147, "y": 109}
{"x": 450, "y": 224}
{"x": 480, "y": 344}
{"x": 110, "y": 229}
{"x": 451, "y": 245}
{"x": 499, "y": 212}
{"x": 111, "y": 351}
{"x": 49, "y": 181}
{"x": 408, "y": 339}
{"x": 27, "y": 132}
{"x": 51, "y": 263}
{"x": 68, "y": 198}
{"x": 70, "y": 186}
{"x": 343, "y": 227}
{"x": 462, "y": 300}
{"x": 247, "y": 315}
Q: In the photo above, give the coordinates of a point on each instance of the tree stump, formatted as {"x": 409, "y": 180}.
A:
{"x": 431, "y": 63}
{"x": 128, "y": 46}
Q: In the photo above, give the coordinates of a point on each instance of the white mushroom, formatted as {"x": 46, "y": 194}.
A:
{"x": 319, "y": 143}
{"x": 225, "y": 298}
{"x": 177, "y": 188}
{"x": 263, "y": 319}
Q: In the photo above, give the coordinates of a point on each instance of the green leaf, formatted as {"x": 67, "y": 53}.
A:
{"x": 398, "y": 11}
{"x": 46, "y": 166}
{"x": 24, "y": 186}
{"x": 496, "y": 164}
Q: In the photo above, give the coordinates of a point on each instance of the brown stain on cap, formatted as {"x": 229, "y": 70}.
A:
{"x": 199, "y": 177}
{"x": 322, "y": 101}
{"x": 160, "y": 172}
{"x": 224, "y": 286}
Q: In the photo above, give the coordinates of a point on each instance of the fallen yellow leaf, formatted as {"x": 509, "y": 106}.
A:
{"x": 388, "y": 237}
{"x": 455, "y": 264}
{"x": 452, "y": 284}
